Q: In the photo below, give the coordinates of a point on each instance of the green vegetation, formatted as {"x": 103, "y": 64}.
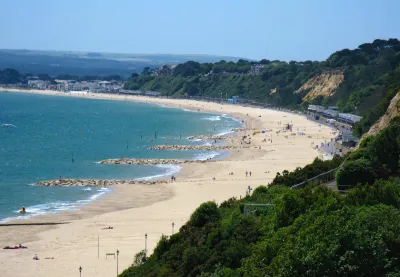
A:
{"x": 371, "y": 77}
{"x": 302, "y": 174}
{"x": 11, "y": 76}
{"x": 378, "y": 157}
{"x": 312, "y": 231}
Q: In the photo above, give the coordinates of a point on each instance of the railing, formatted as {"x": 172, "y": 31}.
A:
{"x": 317, "y": 180}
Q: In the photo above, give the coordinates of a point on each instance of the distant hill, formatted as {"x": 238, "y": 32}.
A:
{"x": 361, "y": 81}
{"x": 91, "y": 63}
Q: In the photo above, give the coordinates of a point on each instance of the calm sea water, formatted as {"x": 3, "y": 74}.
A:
{"x": 65, "y": 136}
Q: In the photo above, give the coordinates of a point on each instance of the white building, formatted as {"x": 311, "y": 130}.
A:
{"x": 256, "y": 69}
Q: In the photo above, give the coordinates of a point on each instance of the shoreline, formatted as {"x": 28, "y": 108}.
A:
{"x": 155, "y": 207}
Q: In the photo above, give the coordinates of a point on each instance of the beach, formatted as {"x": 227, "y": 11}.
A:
{"x": 136, "y": 210}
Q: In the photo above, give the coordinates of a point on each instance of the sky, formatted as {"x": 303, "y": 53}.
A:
{"x": 255, "y": 29}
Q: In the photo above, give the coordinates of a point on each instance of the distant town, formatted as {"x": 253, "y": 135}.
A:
{"x": 108, "y": 86}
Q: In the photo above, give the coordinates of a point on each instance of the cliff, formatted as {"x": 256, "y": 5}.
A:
{"x": 392, "y": 111}
{"x": 324, "y": 84}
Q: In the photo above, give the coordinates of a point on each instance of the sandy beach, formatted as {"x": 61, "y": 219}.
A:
{"x": 136, "y": 210}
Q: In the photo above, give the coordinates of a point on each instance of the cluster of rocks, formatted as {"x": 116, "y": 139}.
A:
{"x": 195, "y": 147}
{"x": 95, "y": 183}
{"x": 211, "y": 137}
{"x": 151, "y": 161}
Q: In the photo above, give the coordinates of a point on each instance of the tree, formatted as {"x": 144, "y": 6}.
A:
{"x": 140, "y": 258}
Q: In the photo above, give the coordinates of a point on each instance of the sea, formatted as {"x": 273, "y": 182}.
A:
{"x": 49, "y": 137}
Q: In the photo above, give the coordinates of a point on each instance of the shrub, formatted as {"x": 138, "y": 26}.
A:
{"x": 354, "y": 172}
{"x": 207, "y": 212}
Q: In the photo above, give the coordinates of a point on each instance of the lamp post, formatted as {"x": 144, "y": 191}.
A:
{"x": 145, "y": 243}
{"x": 80, "y": 271}
{"x": 117, "y": 260}
{"x": 173, "y": 224}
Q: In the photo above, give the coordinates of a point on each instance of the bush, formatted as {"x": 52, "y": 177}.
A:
{"x": 354, "y": 172}
{"x": 140, "y": 258}
{"x": 207, "y": 212}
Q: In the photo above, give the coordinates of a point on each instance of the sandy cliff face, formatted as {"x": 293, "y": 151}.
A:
{"x": 392, "y": 111}
{"x": 323, "y": 84}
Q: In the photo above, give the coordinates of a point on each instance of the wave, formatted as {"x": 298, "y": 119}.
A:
{"x": 55, "y": 207}
{"x": 212, "y": 118}
{"x": 206, "y": 156}
{"x": 225, "y": 133}
{"x": 169, "y": 169}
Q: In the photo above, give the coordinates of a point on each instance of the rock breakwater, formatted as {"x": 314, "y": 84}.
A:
{"x": 95, "y": 183}
{"x": 196, "y": 147}
{"x": 151, "y": 161}
{"x": 212, "y": 137}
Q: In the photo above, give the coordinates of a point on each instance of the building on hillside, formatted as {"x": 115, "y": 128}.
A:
{"x": 166, "y": 70}
{"x": 256, "y": 69}
{"x": 153, "y": 93}
{"x": 349, "y": 118}
{"x": 105, "y": 84}
{"x": 330, "y": 113}
{"x": 316, "y": 108}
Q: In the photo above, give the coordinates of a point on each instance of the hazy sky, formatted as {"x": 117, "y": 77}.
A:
{"x": 279, "y": 29}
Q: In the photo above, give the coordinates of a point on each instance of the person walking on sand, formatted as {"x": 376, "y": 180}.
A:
{"x": 250, "y": 173}
{"x": 246, "y": 173}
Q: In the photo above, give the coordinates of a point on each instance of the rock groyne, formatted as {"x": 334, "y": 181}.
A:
{"x": 95, "y": 183}
{"x": 151, "y": 161}
{"x": 211, "y": 137}
{"x": 196, "y": 147}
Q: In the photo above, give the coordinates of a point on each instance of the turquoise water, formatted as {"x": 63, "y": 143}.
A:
{"x": 65, "y": 136}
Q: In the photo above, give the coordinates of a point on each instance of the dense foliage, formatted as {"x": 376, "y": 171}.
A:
{"x": 309, "y": 232}
{"x": 312, "y": 231}
{"x": 302, "y": 174}
{"x": 11, "y": 76}
{"x": 370, "y": 77}
{"x": 377, "y": 157}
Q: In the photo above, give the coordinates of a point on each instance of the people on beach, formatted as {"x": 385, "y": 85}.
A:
{"x": 35, "y": 257}
{"x": 250, "y": 173}
{"x": 247, "y": 173}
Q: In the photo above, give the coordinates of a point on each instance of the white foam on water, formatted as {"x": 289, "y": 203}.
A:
{"x": 206, "y": 156}
{"x": 170, "y": 169}
{"x": 54, "y": 207}
{"x": 87, "y": 189}
{"x": 212, "y": 118}
{"x": 225, "y": 133}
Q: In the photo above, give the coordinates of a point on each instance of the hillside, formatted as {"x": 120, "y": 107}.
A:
{"x": 302, "y": 232}
{"x": 322, "y": 85}
{"x": 355, "y": 80}
{"x": 91, "y": 63}
{"x": 392, "y": 111}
